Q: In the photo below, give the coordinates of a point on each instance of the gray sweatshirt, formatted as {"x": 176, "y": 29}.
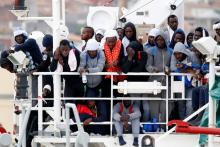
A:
{"x": 180, "y": 47}
{"x": 135, "y": 114}
{"x": 93, "y": 65}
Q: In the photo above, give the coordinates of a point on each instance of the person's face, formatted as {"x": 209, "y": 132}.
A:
{"x": 160, "y": 42}
{"x": 217, "y": 31}
{"x": 151, "y": 40}
{"x": 85, "y": 35}
{"x": 120, "y": 33}
{"x": 179, "y": 56}
{"x": 179, "y": 38}
{"x": 46, "y": 92}
{"x": 173, "y": 23}
{"x": 127, "y": 103}
{"x": 98, "y": 37}
{"x": 92, "y": 54}
{"x": 197, "y": 35}
{"x": 129, "y": 32}
{"x": 190, "y": 39}
{"x": 64, "y": 49}
{"x": 91, "y": 103}
{"x": 19, "y": 39}
{"x": 111, "y": 41}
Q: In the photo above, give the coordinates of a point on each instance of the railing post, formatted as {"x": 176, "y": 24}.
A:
{"x": 212, "y": 103}
{"x": 40, "y": 105}
{"x": 111, "y": 106}
{"x": 67, "y": 126}
{"x": 57, "y": 102}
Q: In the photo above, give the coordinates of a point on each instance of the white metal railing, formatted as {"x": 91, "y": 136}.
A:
{"x": 57, "y": 97}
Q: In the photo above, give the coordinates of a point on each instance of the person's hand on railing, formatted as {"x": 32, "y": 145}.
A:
{"x": 87, "y": 121}
{"x": 167, "y": 70}
{"x": 83, "y": 70}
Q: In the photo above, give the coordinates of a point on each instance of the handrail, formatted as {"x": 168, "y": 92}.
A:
{"x": 186, "y": 120}
{"x": 23, "y": 128}
{"x": 112, "y": 73}
{"x": 78, "y": 122}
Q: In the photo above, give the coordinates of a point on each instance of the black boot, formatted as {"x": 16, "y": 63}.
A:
{"x": 135, "y": 143}
{"x": 121, "y": 140}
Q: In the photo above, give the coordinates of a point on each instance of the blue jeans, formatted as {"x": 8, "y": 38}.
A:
{"x": 92, "y": 92}
{"x": 200, "y": 96}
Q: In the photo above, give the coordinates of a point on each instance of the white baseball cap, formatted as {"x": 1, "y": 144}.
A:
{"x": 99, "y": 32}
{"x": 48, "y": 87}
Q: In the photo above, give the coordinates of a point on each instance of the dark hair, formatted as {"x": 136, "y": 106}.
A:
{"x": 171, "y": 16}
{"x": 91, "y": 29}
{"x": 47, "y": 40}
{"x": 200, "y": 29}
{"x": 65, "y": 42}
{"x": 132, "y": 26}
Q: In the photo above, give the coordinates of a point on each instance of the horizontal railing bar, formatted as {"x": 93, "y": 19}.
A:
{"x": 112, "y": 73}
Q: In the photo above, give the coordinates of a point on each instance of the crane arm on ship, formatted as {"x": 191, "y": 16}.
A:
{"x": 184, "y": 127}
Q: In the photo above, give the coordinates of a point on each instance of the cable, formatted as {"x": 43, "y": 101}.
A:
{"x": 138, "y": 8}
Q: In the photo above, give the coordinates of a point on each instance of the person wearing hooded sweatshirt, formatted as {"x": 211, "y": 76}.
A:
{"x": 181, "y": 62}
{"x": 28, "y": 46}
{"x": 158, "y": 61}
{"x": 150, "y": 43}
{"x": 189, "y": 40}
{"x": 178, "y": 36}
{"x": 92, "y": 61}
{"x": 124, "y": 112}
{"x": 130, "y": 35}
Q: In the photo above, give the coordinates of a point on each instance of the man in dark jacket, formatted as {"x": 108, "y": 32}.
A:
{"x": 135, "y": 61}
{"x": 28, "y": 46}
{"x": 67, "y": 60}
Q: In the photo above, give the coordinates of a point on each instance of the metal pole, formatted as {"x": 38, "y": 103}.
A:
{"x": 56, "y": 78}
{"x": 212, "y": 105}
{"x": 67, "y": 126}
{"x": 111, "y": 106}
{"x": 63, "y": 12}
{"x": 40, "y": 105}
{"x": 23, "y": 128}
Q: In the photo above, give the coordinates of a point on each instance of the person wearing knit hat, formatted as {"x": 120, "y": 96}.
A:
{"x": 216, "y": 27}
{"x": 150, "y": 43}
{"x": 91, "y": 61}
{"x": 99, "y": 34}
{"x": 20, "y": 35}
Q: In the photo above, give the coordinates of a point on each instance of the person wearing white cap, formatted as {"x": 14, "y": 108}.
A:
{"x": 216, "y": 27}
{"x": 150, "y": 43}
{"x": 91, "y": 61}
{"x": 99, "y": 34}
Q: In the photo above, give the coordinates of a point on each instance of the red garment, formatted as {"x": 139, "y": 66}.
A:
{"x": 122, "y": 108}
{"x": 111, "y": 57}
{"x": 83, "y": 109}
